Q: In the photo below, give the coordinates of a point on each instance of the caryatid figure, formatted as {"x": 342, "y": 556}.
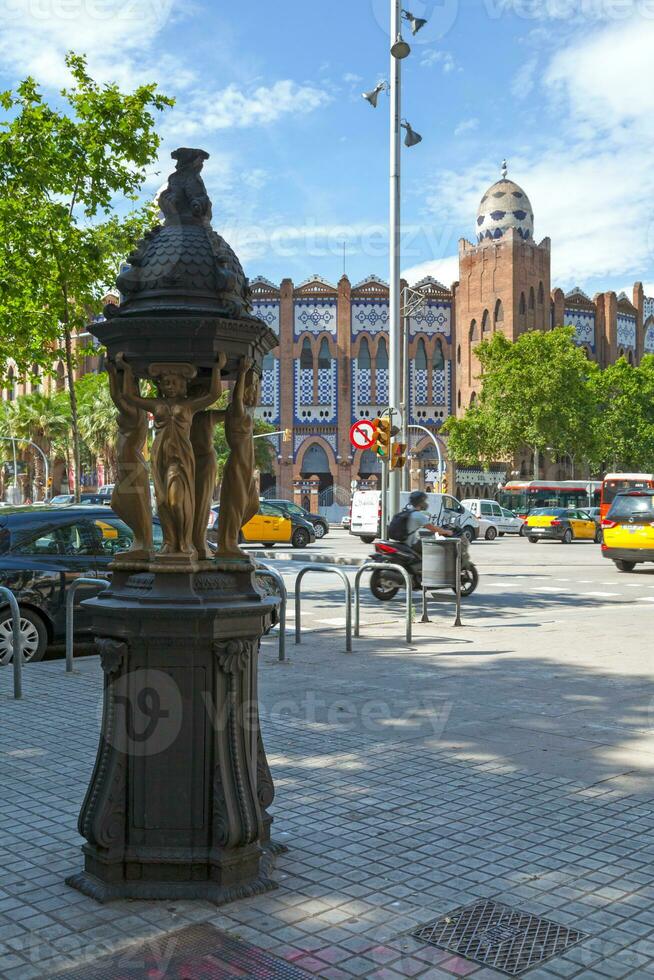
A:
{"x": 173, "y": 461}
{"x": 239, "y": 497}
{"x": 131, "y": 495}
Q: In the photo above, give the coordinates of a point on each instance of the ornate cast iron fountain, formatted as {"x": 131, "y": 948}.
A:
{"x": 177, "y": 802}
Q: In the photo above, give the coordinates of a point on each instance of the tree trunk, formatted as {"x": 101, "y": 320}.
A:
{"x": 74, "y": 428}
{"x": 536, "y": 464}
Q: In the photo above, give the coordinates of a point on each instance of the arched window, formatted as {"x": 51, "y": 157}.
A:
{"x": 315, "y": 460}
{"x": 473, "y": 398}
{"x": 458, "y": 354}
{"x": 458, "y": 400}
{"x": 473, "y": 330}
{"x": 498, "y": 315}
{"x": 363, "y": 359}
{"x": 60, "y": 377}
{"x": 382, "y": 356}
{"x": 306, "y": 355}
{"x": 522, "y": 309}
{"x": 532, "y": 298}
{"x": 324, "y": 356}
{"x": 630, "y": 358}
{"x": 421, "y": 356}
{"x": 484, "y": 322}
{"x": 541, "y": 294}
{"x": 438, "y": 360}
{"x": 11, "y": 385}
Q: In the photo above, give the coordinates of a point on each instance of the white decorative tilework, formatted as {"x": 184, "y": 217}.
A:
{"x": 299, "y": 439}
{"x": 648, "y": 307}
{"x": 268, "y": 311}
{"x": 314, "y": 316}
{"x": 269, "y": 408}
{"x": 649, "y": 339}
{"x": 626, "y": 330}
{"x": 382, "y": 386}
{"x": 371, "y": 317}
{"x": 419, "y": 385}
{"x": 584, "y": 324}
{"x": 306, "y": 410}
{"x": 434, "y": 317}
{"x": 439, "y": 386}
{"x": 441, "y": 404}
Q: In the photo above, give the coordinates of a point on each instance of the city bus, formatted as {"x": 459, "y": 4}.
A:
{"x": 616, "y": 482}
{"x": 523, "y": 496}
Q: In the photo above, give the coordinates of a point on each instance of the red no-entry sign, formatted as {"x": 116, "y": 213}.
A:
{"x": 362, "y": 434}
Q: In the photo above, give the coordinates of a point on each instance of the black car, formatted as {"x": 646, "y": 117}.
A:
{"x": 320, "y": 525}
{"x": 42, "y": 550}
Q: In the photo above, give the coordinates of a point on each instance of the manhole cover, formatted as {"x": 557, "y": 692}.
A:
{"x": 500, "y": 937}
{"x": 197, "y": 951}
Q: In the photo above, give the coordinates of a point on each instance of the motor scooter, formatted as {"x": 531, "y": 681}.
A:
{"x": 385, "y": 583}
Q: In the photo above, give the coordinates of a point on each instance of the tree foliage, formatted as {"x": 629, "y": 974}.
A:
{"x": 60, "y": 242}
{"x": 624, "y": 418}
{"x": 536, "y": 391}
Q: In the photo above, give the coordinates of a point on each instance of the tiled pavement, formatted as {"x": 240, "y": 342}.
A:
{"x": 392, "y": 817}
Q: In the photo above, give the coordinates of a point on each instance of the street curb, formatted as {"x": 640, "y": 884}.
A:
{"x": 309, "y": 559}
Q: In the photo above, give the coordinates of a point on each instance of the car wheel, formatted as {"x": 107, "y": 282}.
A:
{"x": 521, "y": 532}
{"x": 300, "y": 538}
{"x": 624, "y": 566}
{"x": 34, "y": 636}
{"x": 469, "y": 534}
{"x": 598, "y": 536}
{"x": 567, "y": 536}
{"x": 491, "y": 533}
{"x": 367, "y": 538}
{"x": 320, "y": 530}
{"x": 533, "y": 540}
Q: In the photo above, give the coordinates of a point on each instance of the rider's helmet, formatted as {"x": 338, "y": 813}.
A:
{"x": 418, "y": 499}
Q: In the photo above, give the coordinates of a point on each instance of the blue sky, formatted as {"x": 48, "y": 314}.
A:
{"x": 299, "y": 162}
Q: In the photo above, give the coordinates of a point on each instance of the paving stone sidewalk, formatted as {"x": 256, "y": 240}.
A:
{"x": 409, "y": 782}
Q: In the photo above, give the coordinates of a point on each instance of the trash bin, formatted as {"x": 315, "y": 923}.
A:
{"x": 439, "y": 563}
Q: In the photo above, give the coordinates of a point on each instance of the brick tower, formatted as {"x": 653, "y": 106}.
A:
{"x": 504, "y": 280}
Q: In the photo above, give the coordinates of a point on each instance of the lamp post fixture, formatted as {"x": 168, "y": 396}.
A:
{"x": 176, "y": 806}
{"x": 400, "y": 49}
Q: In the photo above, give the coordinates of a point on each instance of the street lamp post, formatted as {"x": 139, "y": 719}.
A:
{"x": 394, "y": 333}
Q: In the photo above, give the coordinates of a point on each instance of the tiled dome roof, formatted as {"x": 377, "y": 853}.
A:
{"x": 504, "y": 205}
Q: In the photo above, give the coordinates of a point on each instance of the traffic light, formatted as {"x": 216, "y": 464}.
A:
{"x": 382, "y": 443}
{"x": 398, "y": 455}
{"x": 286, "y": 437}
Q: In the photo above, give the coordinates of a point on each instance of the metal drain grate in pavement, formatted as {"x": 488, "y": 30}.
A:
{"x": 501, "y": 938}
{"x": 196, "y": 951}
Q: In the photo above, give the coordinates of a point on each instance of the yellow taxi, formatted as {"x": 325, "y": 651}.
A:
{"x": 561, "y": 524}
{"x": 269, "y": 526}
{"x": 628, "y": 529}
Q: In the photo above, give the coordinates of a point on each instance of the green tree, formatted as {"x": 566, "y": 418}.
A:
{"x": 43, "y": 420}
{"x": 624, "y": 423}
{"x": 263, "y": 448}
{"x": 60, "y": 244}
{"x": 97, "y": 419}
{"x": 535, "y": 392}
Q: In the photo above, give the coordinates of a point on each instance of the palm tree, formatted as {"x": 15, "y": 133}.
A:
{"x": 97, "y": 418}
{"x": 45, "y": 421}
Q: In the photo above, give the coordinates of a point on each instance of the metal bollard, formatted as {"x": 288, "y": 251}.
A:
{"x": 348, "y": 600}
{"x": 273, "y": 574}
{"x": 17, "y": 642}
{"x": 368, "y": 566}
{"x": 70, "y": 603}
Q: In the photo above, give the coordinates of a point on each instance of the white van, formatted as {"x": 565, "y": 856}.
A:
{"x": 365, "y": 514}
{"x": 494, "y": 519}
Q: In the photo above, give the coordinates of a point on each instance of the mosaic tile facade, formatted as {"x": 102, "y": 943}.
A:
{"x": 434, "y": 317}
{"x": 268, "y": 311}
{"x": 626, "y": 330}
{"x": 370, "y": 317}
{"x": 269, "y": 406}
{"x": 315, "y": 317}
{"x": 306, "y": 408}
{"x": 649, "y": 339}
{"x": 584, "y": 324}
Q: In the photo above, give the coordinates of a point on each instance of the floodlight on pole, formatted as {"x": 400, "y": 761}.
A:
{"x": 416, "y": 22}
{"x": 400, "y": 48}
{"x": 373, "y": 95}
{"x": 411, "y": 137}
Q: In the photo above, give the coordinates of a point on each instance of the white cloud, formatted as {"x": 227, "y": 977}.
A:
{"x": 466, "y": 126}
{"x": 445, "y": 270}
{"x": 572, "y": 11}
{"x": 442, "y": 58}
{"x": 524, "y": 79}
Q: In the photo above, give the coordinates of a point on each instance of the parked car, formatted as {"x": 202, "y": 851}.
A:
{"x": 269, "y": 527}
{"x": 320, "y": 525}
{"x": 494, "y": 519}
{"x": 561, "y": 524}
{"x": 628, "y": 530}
{"x": 43, "y": 549}
{"x": 84, "y": 498}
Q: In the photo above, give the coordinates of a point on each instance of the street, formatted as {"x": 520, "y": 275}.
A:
{"x": 512, "y": 758}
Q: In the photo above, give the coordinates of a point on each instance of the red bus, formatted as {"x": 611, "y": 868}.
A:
{"x": 523, "y": 496}
{"x": 616, "y": 482}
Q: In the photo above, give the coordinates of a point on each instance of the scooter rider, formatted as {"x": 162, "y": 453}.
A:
{"x": 414, "y": 520}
